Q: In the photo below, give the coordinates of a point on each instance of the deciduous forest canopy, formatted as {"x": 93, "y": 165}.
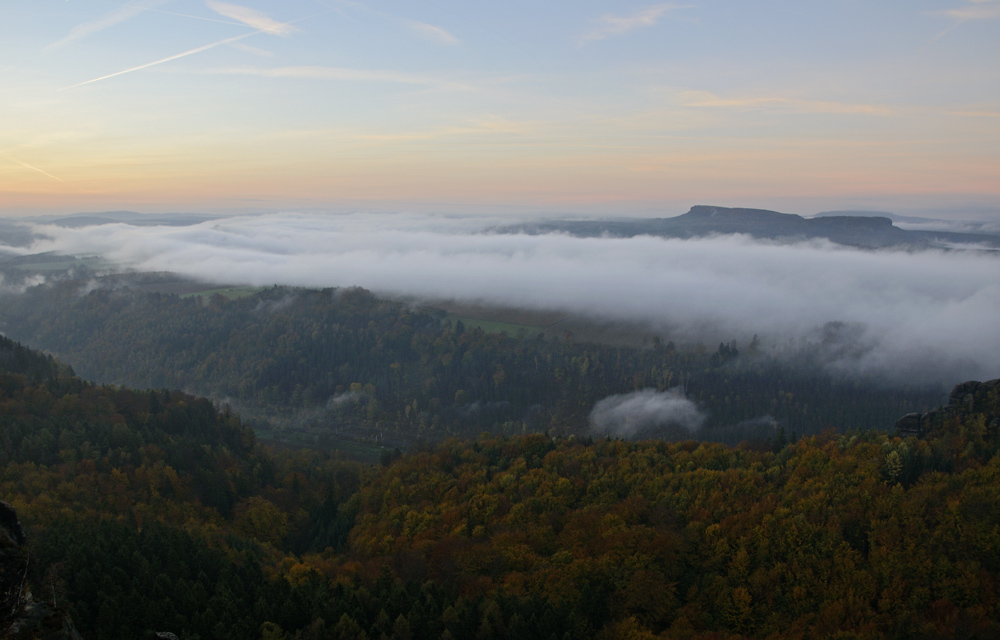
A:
{"x": 151, "y": 510}
{"x": 396, "y": 320}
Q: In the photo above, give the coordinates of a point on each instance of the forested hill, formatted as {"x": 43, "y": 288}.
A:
{"x": 861, "y": 535}
{"x": 54, "y": 418}
{"x": 17, "y": 359}
{"x": 857, "y": 536}
{"x": 139, "y": 505}
{"x": 316, "y": 365}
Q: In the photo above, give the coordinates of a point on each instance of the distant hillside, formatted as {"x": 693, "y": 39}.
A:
{"x": 871, "y": 214}
{"x": 128, "y": 217}
{"x": 342, "y": 366}
{"x": 20, "y": 360}
{"x": 134, "y": 219}
{"x": 870, "y": 232}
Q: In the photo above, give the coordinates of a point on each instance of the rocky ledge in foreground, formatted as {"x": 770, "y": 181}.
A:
{"x": 22, "y": 616}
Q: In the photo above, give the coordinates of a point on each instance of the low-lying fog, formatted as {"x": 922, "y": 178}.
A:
{"x": 903, "y": 315}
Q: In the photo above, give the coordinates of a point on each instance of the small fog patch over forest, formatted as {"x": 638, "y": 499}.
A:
{"x": 646, "y": 413}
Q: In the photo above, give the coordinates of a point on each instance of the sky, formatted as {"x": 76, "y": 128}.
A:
{"x": 567, "y": 107}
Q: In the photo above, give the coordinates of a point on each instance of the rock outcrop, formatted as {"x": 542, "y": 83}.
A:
{"x": 966, "y": 398}
{"x": 13, "y": 565}
{"x": 22, "y": 617}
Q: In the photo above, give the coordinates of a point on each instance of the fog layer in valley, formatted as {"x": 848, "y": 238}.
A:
{"x": 904, "y": 316}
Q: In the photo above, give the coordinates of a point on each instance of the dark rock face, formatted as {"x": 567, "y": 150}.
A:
{"x": 43, "y": 621}
{"x": 13, "y": 565}
{"x": 10, "y": 527}
{"x": 963, "y": 392}
{"x": 965, "y": 398}
{"x": 21, "y": 616}
{"x": 909, "y": 425}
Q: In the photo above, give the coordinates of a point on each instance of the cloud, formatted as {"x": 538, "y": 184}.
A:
{"x": 251, "y": 17}
{"x": 338, "y": 73}
{"x": 980, "y": 10}
{"x": 609, "y": 25}
{"x": 914, "y": 315}
{"x": 346, "y": 398}
{"x": 707, "y": 99}
{"x": 645, "y": 413}
{"x": 21, "y": 285}
{"x": 252, "y": 50}
{"x": 116, "y": 16}
{"x": 432, "y": 33}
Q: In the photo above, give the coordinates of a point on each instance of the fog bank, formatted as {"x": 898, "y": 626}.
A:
{"x": 930, "y": 315}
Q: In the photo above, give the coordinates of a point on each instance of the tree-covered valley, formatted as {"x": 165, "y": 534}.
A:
{"x": 343, "y": 368}
{"x": 396, "y": 320}
{"x": 247, "y": 505}
{"x": 153, "y": 511}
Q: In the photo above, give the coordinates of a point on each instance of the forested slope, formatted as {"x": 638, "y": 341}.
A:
{"x": 47, "y": 419}
{"x": 314, "y": 363}
{"x": 859, "y": 535}
{"x": 147, "y": 509}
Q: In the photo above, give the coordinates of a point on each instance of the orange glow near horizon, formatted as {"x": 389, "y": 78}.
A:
{"x": 109, "y": 110}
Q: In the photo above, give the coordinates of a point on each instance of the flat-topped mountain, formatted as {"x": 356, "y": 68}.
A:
{"x": 859, "y": 231}
{"x": 762, "y": 223}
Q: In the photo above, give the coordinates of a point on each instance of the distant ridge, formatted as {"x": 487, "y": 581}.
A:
{"x": 869, "y": 214}
{"x": 870, "y": 232}
{"x": 77, "y": 220}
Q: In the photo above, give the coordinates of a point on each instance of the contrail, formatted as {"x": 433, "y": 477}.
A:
{"x": 25, "y": 164}
{"x": 167, "y": 59}
{"x": 186, "y": 53}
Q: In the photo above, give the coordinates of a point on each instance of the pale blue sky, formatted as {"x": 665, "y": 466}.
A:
{"x": 572, "y": 106}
